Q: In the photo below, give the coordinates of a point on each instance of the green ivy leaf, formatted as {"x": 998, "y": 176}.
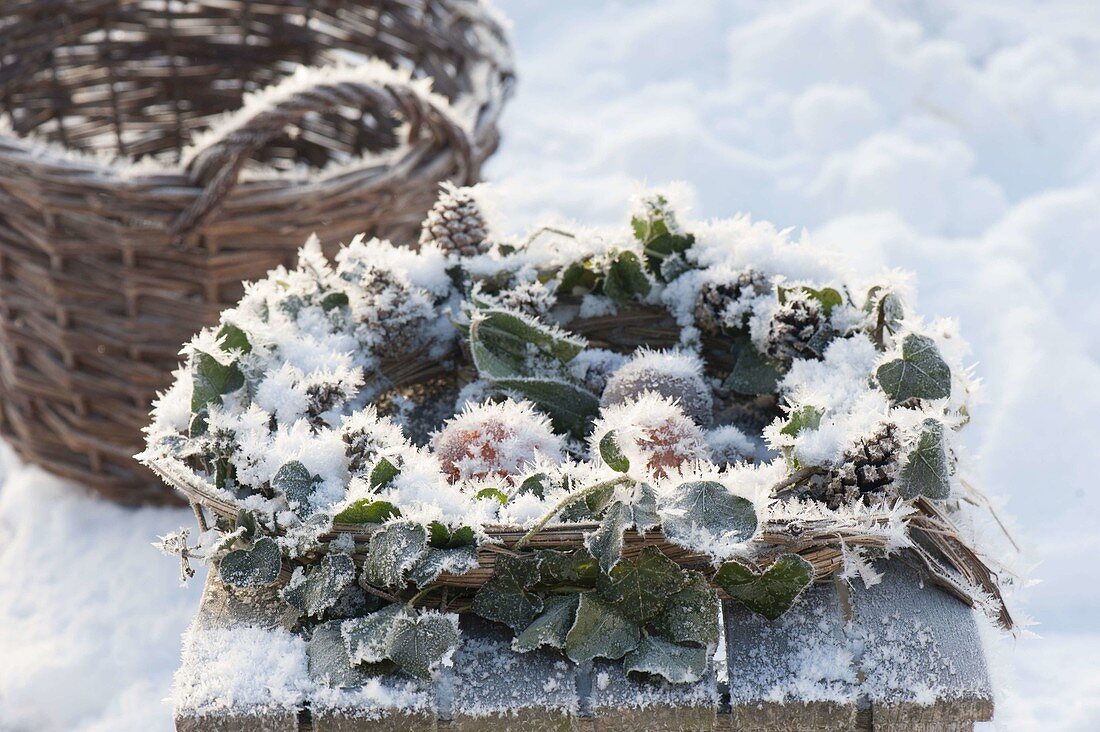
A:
{"x": 771, "y": 593}
{"x": 679, "y": 664}
{"x": 500, "y": 341}
{"x": 322, "y": 585}
{"x": 550, "y": 628}
{"x": 752, "y": 373}
{"x": 535, "y": 485}
{"x": 926, "y": 472}
{"x": 365, "y": 638}
{"x": 626, "y": 279}
{"x": 441, "y": 537}
{"x": 600, "y": 631}
{"x": 807, "y": 418}
{"x": 383, "y": 474}
{"x": 827, "y": 296}
{"x": 564, "y": 570}
{"x": 295, "y": 482}
{"x": 334, "y": 300}
{"x": 888, "y": 313}
{"x": 920, "y": 372}
{"x": 366, "y": 511}
{"x": 418, "y": 644}
{"x": 571, "y": 408}
{"x": 640, "y": 589}
{"x": 255, "y": 567}
{"x": 691, "y": 614}
{"x": 437, "y": 561}
{"x": 210, "y": 380}
{"x": 233, "y": 338}
{"x": 505, "y": 598}
{"x": 492, "y": 494}
{"x": 392, "y": 551}
{"x": 578, "y": 279}
{"x": 612, "y": 454}
{"x": 328, "y": 658}
{"x": 606, "y": 542}
{"x": 707, "y": 505}
{"x": 644, "y": 507}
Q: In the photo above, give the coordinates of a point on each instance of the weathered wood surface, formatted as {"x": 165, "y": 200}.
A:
{"x": 859, "y": 659}
{"x": 896, "y": 656}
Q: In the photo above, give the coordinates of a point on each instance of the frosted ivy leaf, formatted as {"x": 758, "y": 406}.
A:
{"x": 926, "y": 472}
{"x": 640, "y": 589}
{"x": 365, "y": 638}
{"x": 420, "y": 644}
{"x": 708, "y": 506}
{"x": 606, "y": 542}
{"x": 295, "y": 482}
{"x": 679, "y": 664}
{"x": 600, "y": 631}
{"x": 691, "y": 614}
{"x": 550, "y": 628}
{"x": 329, "y": 660}
{"x": 638, "y": 510}
{"x": 770, "y": 593}
{"x": 437, "y": 561}
{"x": 505, "y": 598}
{"x": 920, "y": 372}
{"x": 323, "y": 584}
{"x": 393, "y": 551}
{"x": 253, "y": 567}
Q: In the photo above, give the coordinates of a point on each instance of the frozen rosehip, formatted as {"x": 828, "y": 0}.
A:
{"x": 494, "y": 440}
{"x": 652, "y": 430}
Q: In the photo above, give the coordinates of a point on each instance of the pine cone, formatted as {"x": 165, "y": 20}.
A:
{"x": 455, "y": 224}
{"x": 395, "y": 314}
{"x": 712, "y": 307}
{"x": 799, "y": 329}
{"x": 867, "y": 468}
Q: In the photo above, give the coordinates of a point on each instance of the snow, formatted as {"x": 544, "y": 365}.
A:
{"x": 954, "y": 139}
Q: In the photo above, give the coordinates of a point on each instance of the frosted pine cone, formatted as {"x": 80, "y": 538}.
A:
{"x": 455, "y": 224}
{"x": 395, "y": 312}
{"x": 719, "y": 308}
{"x": 799, "y": 329}
{"x": 867, "y": 468}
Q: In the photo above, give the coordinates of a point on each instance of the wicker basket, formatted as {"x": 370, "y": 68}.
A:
{"x": 122, "y": 231}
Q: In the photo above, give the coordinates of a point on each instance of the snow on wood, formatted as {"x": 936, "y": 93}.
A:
{"x": 490, "y": 686}
{"x": 796, "y": 671}
{"x": 922, "y": 660}
{"x": 619, "y": 702}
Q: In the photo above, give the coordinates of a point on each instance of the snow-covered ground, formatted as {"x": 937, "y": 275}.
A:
{"x": 956, "y": 138}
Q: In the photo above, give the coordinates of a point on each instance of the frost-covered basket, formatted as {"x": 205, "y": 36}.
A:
{"x": 154, "y": 154}
{"x": 589, "y": 436}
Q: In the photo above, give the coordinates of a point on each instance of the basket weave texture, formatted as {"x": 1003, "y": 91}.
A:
{"x": 123, "y": 230}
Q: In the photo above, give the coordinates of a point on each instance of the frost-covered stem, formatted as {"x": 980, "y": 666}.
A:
{"x": 424, "y": 592}
{"x": 571, "y": 498}
{"x": 203, "y": 526}
{"x": 545, "y": 230}
{"x": 379, "y": 593}
{"x": 790, "y": 482}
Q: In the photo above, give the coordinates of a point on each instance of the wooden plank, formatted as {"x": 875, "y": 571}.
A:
{"x": 262, "y": 722}
{"x": 921, "y": 657}
{"x": 792, "y": 673}
{"x": 490, "y": 687}
{"x": 618, "y": 702}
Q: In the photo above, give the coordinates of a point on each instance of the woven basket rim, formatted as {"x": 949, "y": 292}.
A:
{"x": 122, "y": 169}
